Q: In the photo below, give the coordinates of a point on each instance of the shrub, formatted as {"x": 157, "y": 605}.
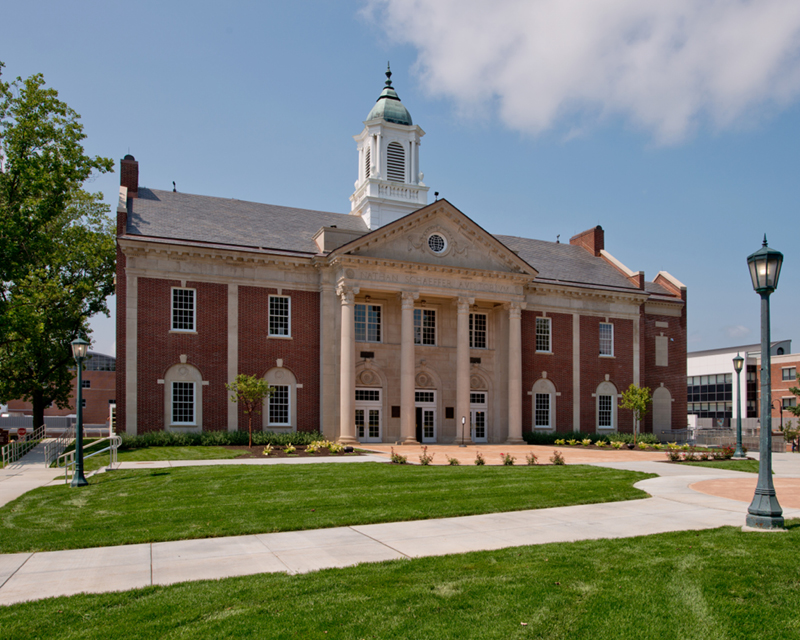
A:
{"x": 453, "y": 462}
{"x": 572, "y": 442}
{"x": 560, "y": 442}
{"x": 586, "y": 442}
{"x": 557, "y": 458}
{"x": 673, "y": 455}
{"x": 267, "y": 449}
{"x": 690, "y": 455}
{"x": 601, "y": 443}
{"x": 531, "y": 459}
{"x": 725, "y": 453}
{"x": 424, "y": 458}
{"x": 397, "y": 458}
{"x": 479, "y": 459}
{"x": 289, "y": 449}
{"x": 508, "y": 459}
{"x": 335, "y": 447}
{"x": 313, "y": 448}
{"x": 215, "y": 439}
{"x": 643, "y": 445}
{"x": 673, "y": 446}
{"x": 617, "y": 444}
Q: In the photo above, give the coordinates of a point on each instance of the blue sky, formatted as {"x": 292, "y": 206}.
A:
{"x": 675, "y": 128}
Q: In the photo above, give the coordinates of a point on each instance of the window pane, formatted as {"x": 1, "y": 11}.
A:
{"x": 542, "y": 412}
{"x": 425, "y": 326}
{"x": 183, "y": 309}
{"x": 279, "y": 405}
{"x": 477, "y": 330}
{"x": 279, "y": 315}
{"x": 606, "y": 339}
{"x": 183, "y": 402}
{"x": 604, "y": 411}
{"x": 368, "y": 395}
{"x": 543, "y": 334}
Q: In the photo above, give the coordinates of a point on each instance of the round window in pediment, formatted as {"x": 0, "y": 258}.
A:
{"x": 437, "y": 243}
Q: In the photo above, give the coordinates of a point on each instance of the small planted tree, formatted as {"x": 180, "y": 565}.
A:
{"x": 637, "y": 400}
{"x": 250, "y": 392}
{"x": 791, "y": 433}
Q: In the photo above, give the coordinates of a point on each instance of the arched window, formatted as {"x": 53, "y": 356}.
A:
{"x": 395, "y": 162}
{"x": 183, "y": 398}
{"x": 662, "y": 410}
{"x": 606, "y": 407}
{"x": 544, "y": 405}
{"x": 280, "y": 410}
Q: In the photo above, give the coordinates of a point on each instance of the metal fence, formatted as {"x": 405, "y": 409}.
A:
{"x": 720, "y": 438}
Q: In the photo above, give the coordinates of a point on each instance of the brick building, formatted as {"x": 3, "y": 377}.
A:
{"x": 387, "y": 324}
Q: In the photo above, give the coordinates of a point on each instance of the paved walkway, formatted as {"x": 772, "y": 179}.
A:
{"x": 675, "y": 506}
{"x": 26, "y": 474}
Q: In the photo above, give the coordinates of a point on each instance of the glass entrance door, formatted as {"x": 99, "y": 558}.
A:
{"x": 368, "y": 415}
{"x": 477, "y": 414}
{"x": 426, "y": 416}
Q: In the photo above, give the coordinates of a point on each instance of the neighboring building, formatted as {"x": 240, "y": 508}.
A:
{"x": 99, "y": 389}
{"x": 711, "y": 382}
{"x": 388, "y": 324}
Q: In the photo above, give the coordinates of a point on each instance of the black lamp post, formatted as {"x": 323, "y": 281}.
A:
{"x": 764, "y": 511}
{"x": 463, "y": 424}
{"x": 738, "y": 364}
{"x": 79, "y": 347}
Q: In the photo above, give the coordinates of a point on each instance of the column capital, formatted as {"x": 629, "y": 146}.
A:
{"x": 347, "y": 293}
{"x": 463, "y": 303}
{"x": 515, "y": 308}
{"x": 407, "y": 298}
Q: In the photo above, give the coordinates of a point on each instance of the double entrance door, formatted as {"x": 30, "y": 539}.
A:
{"x": 477, "y": 416}
{"x": 425, "y": 407}
{"x": 368, "y": 415}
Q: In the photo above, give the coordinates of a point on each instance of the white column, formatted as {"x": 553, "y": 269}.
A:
{"x": 462, "y": 370}
{"x": 515, "y": 373}
{"x": 233, "y": 351}
{"x": 348, "y": 367}
{"x": 407, "y": 411}
{"x": 131, "y": 351}
{"x": 576, "y": 372}
{"x": 329, "y": 370}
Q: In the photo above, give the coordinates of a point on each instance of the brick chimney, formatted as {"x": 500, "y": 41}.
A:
{"x": 592, "y": 240}
{"x": 129, "y": 175}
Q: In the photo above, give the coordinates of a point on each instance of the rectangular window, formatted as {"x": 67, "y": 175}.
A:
{"x": 789, "y": 373}
{"x": 606, "y": 339}
{"x": 477, "y": 397}
{"x": 368, "y": 395}
{"x": 182, "y": 309}
{"x": 477, "y": 330}
{"x": 279, "y": 406}
{"x": 543, "y": 334}
{"x": 425, "y": 326}
{"x": 662, "y": 351}
{"x": 368, "y": 322}
{"x": 604, "y": 409}
{"x": 183, "y": 403}
{"x": 542, "y": 412}
{"x": 424, "y": 396}
{"x": 789, "y": 402}
{"x": 86, "y": 384}
{"x": 280, "y": 316}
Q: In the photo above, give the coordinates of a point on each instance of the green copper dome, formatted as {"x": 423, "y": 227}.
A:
{"x": 389, "y": 106}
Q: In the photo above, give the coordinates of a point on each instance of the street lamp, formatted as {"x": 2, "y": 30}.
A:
{"x": 764, "y": 511}
{"x": 738, "y": 364}
{"x": 463, "y": 423}
{"x": 79, "y": 347}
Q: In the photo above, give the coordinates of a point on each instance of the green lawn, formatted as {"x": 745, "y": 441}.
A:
{"x": 126, "y": 507}
{"x": 721, "y": 583}
{"x": 163, "y": 453}
{"x": 750, "y": 466}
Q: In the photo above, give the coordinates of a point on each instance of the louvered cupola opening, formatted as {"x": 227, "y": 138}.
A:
{"x": 395, "y": 162}
{"x": 368, "y": 163}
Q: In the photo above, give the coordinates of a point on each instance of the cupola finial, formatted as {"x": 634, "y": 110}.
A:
{"x": 388, "y": 75}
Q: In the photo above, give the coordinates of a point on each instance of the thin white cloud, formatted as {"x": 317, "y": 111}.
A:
{"x": 664, "y": 65}
{"x": 737, "y": 331}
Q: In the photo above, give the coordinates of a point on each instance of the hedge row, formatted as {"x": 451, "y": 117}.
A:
{"x": 551, "y": 437}
{"x": 215, "y": 438}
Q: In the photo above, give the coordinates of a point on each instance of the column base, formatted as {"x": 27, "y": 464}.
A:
{"x": 347, "y": 440}
{"x": 515, "y": 441}
{"x": 410, "y": 440}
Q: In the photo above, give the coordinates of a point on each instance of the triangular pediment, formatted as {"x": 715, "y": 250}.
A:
{"x": 440, "y": 235}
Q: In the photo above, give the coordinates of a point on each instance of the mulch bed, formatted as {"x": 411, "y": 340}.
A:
{"x": 258, "y": 452}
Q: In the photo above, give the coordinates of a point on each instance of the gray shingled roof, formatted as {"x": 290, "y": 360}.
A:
{"x": 187, "y": 217}
{"x": 182, "y": 216}
{"x": 565, "y": 262}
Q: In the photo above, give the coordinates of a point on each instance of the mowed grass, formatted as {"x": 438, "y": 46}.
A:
{"x": 749, "y": 466}
{"x": 127, "y": 507}
{"x": 162, "y": 453}
{"x": 721, "y": 583}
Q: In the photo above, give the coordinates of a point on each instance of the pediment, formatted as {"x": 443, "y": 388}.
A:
{"x": 439, "y": 235}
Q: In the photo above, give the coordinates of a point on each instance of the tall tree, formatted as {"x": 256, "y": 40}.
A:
{"x": 56, "y": 243}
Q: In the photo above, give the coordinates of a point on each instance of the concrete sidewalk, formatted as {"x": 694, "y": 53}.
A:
{"x": 673, "y": 507}
{"x": 27, "y": 473}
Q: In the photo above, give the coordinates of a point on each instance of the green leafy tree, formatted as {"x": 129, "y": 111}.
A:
{"x": 637, "y": 400}
{"x": 250, "y": 392}
{"x": 792, "y": 431}
{"x": 57, "y": 247}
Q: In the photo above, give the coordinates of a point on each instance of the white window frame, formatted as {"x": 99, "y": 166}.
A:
{"x": 472, "y": 331}
{"x": 610, "y": 425}
{"x": 790, "y": 377}
{"x": 370, "y": 405}
{"x": 172, "y": 310}
{"x": 288, "y": 333}
{"x": 288, "y": 404}
{"x": 365, "y": 337}
{"x": 600, "y": 331}
{"x": 790, "y": 399}
{"x": 193, "y": 421}
{"x": 420, "y": 334}
{"x": 549, "y": 323}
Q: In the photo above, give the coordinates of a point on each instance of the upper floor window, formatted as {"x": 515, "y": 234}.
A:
{"x": 86, "y": 384}
{"x": 789, "y": 402}
{"x": 395, "y": 162}
{"x": 425, "y": 326}
{"x": 606, "y": 339}
{"x": 183, "y": 309}
{"x": 477, "y": 330}
{"x": 280, "y": 317}
{"x": 543, "y": 334}
{"x": 368, "y": 322}
{"x": 789, "y": 373}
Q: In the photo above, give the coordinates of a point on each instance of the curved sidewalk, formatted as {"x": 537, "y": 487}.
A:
{"x": 673, "y": 507}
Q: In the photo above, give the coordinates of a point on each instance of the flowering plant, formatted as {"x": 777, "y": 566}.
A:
{"x": 479, "y": 459}
{"x": 557, "y": 458}
{"x": 508, "y": 459}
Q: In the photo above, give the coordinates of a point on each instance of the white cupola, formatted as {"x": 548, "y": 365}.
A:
{"x": 389, "y": 184}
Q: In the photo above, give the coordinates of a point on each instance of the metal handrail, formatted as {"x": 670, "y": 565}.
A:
{"x": 13, "y": 451}
{"x": 69, "y": 456}
{"x": 54, "y": 448}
